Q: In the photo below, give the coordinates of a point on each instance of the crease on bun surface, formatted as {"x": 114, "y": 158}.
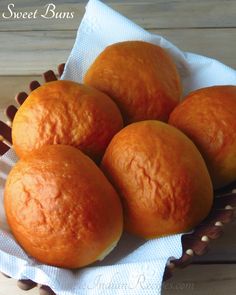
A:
{"x": 208, "y": 117}
{"x": 140, "y": 77}
{"x": 161, "y": 178}
{"x": 61, "y": 208}
{"x": 66, "y": 112}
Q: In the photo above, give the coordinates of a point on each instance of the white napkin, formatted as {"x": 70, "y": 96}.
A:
{"x": 135, "y": 266}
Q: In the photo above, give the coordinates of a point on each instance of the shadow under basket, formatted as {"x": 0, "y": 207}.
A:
{"x": 194, "y": 244}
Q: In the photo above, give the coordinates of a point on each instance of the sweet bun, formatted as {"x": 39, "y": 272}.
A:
{"x": 65, "y": 112}
{"x": 61, "y": 208}
{"x": 208, "y": 117}
{"x": 161, "y": 177}
{"x": 140, "y": 77}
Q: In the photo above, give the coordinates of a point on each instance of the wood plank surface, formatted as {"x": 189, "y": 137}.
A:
{"x": 202, "y": 280}
{"x": 8, "y": 286}
{"x": 35, "y": 52}
{"x": 149, "y": 14}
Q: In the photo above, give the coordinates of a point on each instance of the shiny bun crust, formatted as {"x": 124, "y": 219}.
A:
{"x": 140, "y": 77}
{"x": 161, "y": 178}
{"x": 208, "y": 117}
{"x": 61, "y": 208}
{"x": 65, "y": 112}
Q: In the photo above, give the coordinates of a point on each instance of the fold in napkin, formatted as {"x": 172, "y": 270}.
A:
{"x": 135, "y": 266}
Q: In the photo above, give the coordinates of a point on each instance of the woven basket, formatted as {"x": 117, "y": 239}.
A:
{"x": 194, "y": 244}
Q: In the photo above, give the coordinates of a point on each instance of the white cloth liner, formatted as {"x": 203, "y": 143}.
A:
{"x": 135, "y": 266}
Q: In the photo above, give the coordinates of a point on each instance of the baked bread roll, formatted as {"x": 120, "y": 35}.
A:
{"x": 65, "y": 112}
{"x": 140, "y": 77}
{"x": 208, "y": 117}
{"x": 161, "y": 178}
{"x": 61, "y": 208}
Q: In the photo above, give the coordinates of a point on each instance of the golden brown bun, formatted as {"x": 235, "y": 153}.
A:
{"x": 65, "y": 112}
{"x": 61, "y": 208}
{"x": 140, "y": 77}
{"x": 208, "y": 117}
{"x": 161, "y": 178}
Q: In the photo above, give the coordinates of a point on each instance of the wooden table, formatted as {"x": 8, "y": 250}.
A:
{"x": 31, "y": 46}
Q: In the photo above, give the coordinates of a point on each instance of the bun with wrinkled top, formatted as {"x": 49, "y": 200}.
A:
{"x": 208, "y": 117}
{"x": 140, "y": 77}
{"x": 61, "y": 208}
{"x": 65, "y": 112}
{"x": 161, "y": 177}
